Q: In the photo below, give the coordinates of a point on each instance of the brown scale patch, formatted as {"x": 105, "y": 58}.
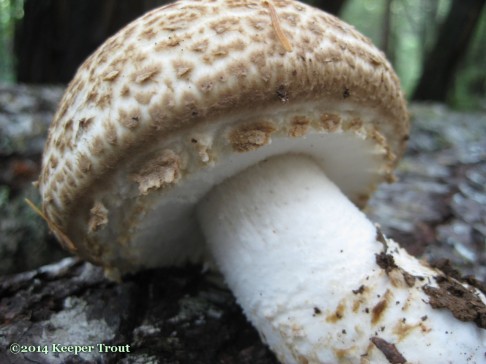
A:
{"x": 98, "y": 217}
{"x": 54, "y": 187}
{"x": 220, "y": 52}
{"x": 144, "y": 97}
{"x": 236, "y": 3}
{"x": 130, "y": 50}
{"x": 53, "y": 162}
{"x": 43, "y": 178}
{"x": 78, "y": 84}
{"x": 48, "y": 197}
{"x": 65, "y": 196}
{"x": 397, "y": 278}
{"x": 315, "y": 28}
{"x": 299, "y": 126}
{"x": 258, "y": 59}
{"x": 331, "y": 56}
{"x": 222, "y": 77}
{"x": 305, "y": 44}
{"x": 409, "y": 279}
{"x": 343, "y": 355}
{"x": 183, "y": 68}
{"x": 389, "y": 350}
{"x": 463, "y": 302}
{"x": 258, "y": 23}
{"x": 128, "y": 31}
{"x": 68, "y": 165}
{"x": 97, "y": 145}
{"x": 125, "y": 91}
{"x": 84, "y": 163}
{"x": 377, "y": 137}
{"x": 148, "y": 33}
{"x": 190, "y": 103}
{"x": 200, "y": 47}
{"x": 338, "y": 314}
{"x": 378, "y": 310}
{"x": 110, "y": 45}
{"x": 226, "y": 100}
{"x": 146, "y": 74}
{"x": 110, "y": 76}
{"x": 172, "y": 42}
{"x": 103, "y": 101}
{"x": 111, "y": 135}
{"x": 158, "y": 115}
{"x": 83, "y": 126}
{"x": 251, "y": 136}
{"x": 330, "y": 122}
{"x": 357, "y": 304}
{"x": 206, "y": 84}
{"x": 59, "y": 178}
{"x": 173, "y": 26}
{"x": 68, "y": 126}
{"x": 353, "y": 125}
{"x": 71, "y": 181}
{"x": 291, "y": 18}
{"x": 402, "y": 329}
{"x": 159, "y": 172}
{"x": 225, "y": 25}
{"x": 237, "y": 45}
{"x": 238, "y": 69}
{"x": 61, "y": 145}
{"x": 139, "y": 57}
{"x": 117, "y": 64}
{"x": 92, "y": 95}
{"x": 360, "y": 293}
{"x": 375, "y": 61}
{"x": 350, "y": 59}
{"x": 130, "y": 119}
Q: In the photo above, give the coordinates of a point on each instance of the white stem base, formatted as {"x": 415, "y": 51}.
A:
{"x": 301, "y": 261}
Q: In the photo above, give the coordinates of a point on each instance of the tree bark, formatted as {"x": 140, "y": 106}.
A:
{"x": 449, "y": 49}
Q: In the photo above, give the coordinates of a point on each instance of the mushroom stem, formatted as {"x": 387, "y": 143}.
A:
{"x": 304, "y": 263}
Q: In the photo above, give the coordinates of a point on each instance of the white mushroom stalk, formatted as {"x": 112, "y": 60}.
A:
{"x": 318, "y": 280}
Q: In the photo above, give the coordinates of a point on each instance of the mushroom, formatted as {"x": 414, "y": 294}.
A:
{"x": 219, "y": 131}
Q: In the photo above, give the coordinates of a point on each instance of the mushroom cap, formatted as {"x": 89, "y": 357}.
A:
{"x": 195, "y": 91}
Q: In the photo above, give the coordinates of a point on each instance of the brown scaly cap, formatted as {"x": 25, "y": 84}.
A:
{"x": 222, "y": 68}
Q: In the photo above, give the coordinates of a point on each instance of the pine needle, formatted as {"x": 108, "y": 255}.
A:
{"x": 278, "y": 29}
{"x": 65, "y": 241}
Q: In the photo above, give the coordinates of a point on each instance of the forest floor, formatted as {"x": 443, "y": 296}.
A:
{"x": 437, "y": 210}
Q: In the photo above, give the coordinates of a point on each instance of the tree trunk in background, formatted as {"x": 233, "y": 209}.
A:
{"x": 331, "y": 6}
{"x": 386, "y": 31}
{"x": 55, "y": 36}
{"x": 449, "y": 49}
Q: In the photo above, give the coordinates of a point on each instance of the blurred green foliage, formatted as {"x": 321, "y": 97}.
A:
{"x": 412, "y": 30}
{"x": 414, "y": 26}
{"x": 10, "y": 11}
